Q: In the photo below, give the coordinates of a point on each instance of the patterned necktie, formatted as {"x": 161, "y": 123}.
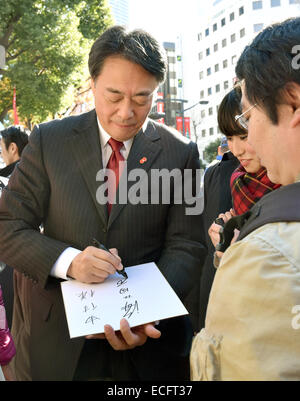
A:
{"x": 114, "y": 167}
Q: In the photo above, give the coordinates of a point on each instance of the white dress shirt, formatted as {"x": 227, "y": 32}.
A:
{"x": 63, "y": 262}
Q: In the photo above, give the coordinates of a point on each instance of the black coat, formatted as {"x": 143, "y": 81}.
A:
{"x": 6, "y": 272}
{"x": 217, "y": 199}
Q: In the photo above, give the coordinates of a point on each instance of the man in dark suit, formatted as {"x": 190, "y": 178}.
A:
{"x": 57, "y": 184}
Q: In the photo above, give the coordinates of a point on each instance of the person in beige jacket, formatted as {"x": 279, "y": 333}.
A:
{"x": 252, "y": 329}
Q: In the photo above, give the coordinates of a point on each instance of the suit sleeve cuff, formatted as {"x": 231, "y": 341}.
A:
{"x": 61, "y": 266}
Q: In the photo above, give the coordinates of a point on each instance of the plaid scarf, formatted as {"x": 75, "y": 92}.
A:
{"x": 248, "y": 188}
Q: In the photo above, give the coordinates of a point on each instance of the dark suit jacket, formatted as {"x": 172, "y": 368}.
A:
{"x": 55, "y": 184}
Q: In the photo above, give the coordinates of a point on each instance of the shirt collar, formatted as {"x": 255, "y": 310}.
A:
{"x": 105, "y": 137}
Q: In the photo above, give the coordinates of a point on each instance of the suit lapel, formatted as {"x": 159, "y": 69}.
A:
{"x": 85, "y": 145}
{"x": 145, "y": 145}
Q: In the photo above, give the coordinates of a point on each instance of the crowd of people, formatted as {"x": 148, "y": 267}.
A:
{"x": 235, "y": 266}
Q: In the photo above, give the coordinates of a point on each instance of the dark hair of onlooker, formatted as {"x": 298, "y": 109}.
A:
{"x": 228, "y": 109}
{"x": 137, "y": 46}
{"x": 15, "y": 134}
{"x": 266, "y": 65}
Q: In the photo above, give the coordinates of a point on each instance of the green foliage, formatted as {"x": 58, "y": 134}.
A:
{"x": 47, "y": 44}
{"x": 211, "y": 150}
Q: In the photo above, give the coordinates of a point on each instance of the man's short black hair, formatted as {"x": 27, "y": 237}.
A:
{"x": 228, "y": 109}
{"x": 137, "y": 46}
{"x": 18, "y": 135}
{"x": 267, "y": 65}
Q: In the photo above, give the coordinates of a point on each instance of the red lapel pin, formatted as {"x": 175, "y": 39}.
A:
{"x": 143, "y": 160}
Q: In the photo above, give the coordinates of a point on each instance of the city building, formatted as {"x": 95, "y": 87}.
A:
{"x": 120, "y": 11}
{"x": 170, "y": 98}
{"x": 231, "y": 26}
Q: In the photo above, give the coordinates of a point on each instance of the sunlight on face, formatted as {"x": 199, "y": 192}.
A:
{"x": 123, "y": 95}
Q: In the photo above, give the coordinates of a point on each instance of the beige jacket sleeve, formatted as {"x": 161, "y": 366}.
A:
{"x": 252, "y": 329}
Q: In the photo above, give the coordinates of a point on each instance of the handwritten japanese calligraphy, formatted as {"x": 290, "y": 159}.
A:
{"x": 89, "y": 307}
{"x": 130, "y": 307}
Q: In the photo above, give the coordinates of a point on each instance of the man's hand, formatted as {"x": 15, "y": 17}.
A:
{"x": 94, "y": 265}
{"x": 127, "y": 338}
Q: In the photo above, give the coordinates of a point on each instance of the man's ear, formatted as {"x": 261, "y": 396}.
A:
{"x": 296, "y": 119}
{"x": 13, "y": 149}
{"x": 292, "y": 96}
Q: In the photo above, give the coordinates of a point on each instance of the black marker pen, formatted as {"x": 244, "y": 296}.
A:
{"x": 97, "y": 244}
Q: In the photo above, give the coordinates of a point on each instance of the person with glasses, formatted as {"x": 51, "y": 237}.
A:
{"x": 249, "y": 181}
{"x": 253, "y": 316}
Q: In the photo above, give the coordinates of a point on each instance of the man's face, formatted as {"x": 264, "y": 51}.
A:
{"x": 272, "y": 143}
{"x": 123, "y": 95}
{"x": 6, "y": 153}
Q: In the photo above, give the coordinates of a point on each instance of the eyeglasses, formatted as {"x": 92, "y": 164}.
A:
{"x": 242, "y": 120}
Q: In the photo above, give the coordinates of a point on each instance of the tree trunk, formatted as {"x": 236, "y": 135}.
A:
{"x": 3, "y": 113}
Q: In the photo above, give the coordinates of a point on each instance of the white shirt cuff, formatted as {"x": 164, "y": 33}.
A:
{"x": 61, "y": 266}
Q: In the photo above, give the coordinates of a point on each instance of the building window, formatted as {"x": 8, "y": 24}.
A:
{"x": 201, "y": 75}
{"x": 257, "y": 5}
{"x": 233, "y": 60}
{"x": 202, "y": 113}
{"x": 258, "y": 27}
{"x": 226, "y": 85}
{"x": 211, "y": 131}
{"x": 199, "y": 37}
{"x": 294, "y": 1}
{"x": 224, "y": 42}
{"x": 218, "y": 88}
{"x": 215, "y": 27}
{"x": 225, "y": 63}
{"x": 201, "y": 94}
{"x": 242, "y": 33}
{"x": 209, "y": 91}
{"x": 223, "y": 21}
{"x": 200, "y": 55}
{"x": 208, "y": 51}
{"x": 231, "y": 17}
{"x": 203, "y": 133}
{"x": 216, "y": 47}
{"x": 210, "y": 111}
{"x": 207, "y": 32}
{"x": 216, "y": 67}
{"x": 208, "y": 71}
{"x": 241, "y": 10}
{"x": 232, "y": 38}
{"x": 275, "y": 3}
